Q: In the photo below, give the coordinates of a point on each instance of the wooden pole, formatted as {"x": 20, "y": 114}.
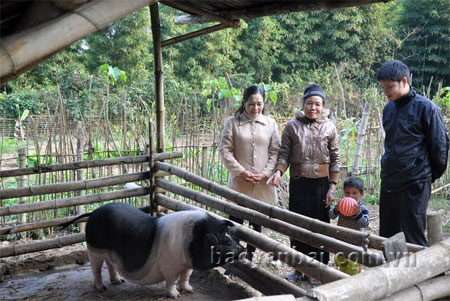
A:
{"x": 73, "y": 186}
{"x": 80, "y": 177}
{"x": 262, "y": 280}
{"x": 432, "y": 289}
{"x": 73, "y": 201}
{"x": 299, "y": 261}
{"x": 159, "y": 76}
{"x": 313, "y": 239}
{"x": 18, "y": 249}
{"x": 193, "y": 34}
{"x": 21, "y": 180}
{"x": 50, "y": 223}
{"x": 89, "y": 164}
{"x": 39, "y": 225}
{"x": 434, "y": 227}
{"x": 315, "y": 225}
{"x": 376, "y": 242}
{"x": 390, "y": 278}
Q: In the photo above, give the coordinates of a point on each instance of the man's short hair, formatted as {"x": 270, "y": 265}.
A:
{"x": 353, "y": 182}
{"x": 394, "y": 70}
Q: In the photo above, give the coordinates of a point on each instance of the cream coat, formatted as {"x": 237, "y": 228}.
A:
{"x": 250, "y": 145}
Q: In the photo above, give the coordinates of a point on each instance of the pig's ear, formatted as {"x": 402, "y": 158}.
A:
{"x": 212, "y": 240}
{"x": 227, "y": 223}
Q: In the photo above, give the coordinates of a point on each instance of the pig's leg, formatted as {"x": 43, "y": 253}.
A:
{"x": 113, "y": 274}
{"x": 171, "y": 279}
{"x": 184, "y": 281}
{"x": 96, "y": 261}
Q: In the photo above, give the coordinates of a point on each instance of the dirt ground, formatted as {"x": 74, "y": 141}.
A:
{"x": 47, "y": 276}
{"x": 64, "y": 274}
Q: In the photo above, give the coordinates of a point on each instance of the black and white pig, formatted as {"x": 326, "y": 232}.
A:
{"x": 146, "y": 250}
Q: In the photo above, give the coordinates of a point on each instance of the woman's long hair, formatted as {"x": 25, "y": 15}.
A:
{"x": 249, "y": 91}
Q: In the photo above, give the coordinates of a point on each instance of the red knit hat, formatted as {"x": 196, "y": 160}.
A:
{"x": 346, "y": 205}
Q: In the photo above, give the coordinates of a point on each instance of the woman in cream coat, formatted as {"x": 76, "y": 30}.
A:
{"x": 249, "y": 149}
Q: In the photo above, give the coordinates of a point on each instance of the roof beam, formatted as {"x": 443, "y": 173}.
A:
{"x": 194, "y": 34}
{"x": 201, "y": 12}
{"x": 283, "y": 7}
{"x": 192, "y": 19}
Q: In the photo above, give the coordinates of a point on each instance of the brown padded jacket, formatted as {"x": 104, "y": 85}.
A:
{"x": 310, "y": 148}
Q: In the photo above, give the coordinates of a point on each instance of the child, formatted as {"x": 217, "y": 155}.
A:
{"x": 354, "y": 188}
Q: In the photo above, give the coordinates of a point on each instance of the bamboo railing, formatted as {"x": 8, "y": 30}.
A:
{"x": 317, "y": 240}
{"x": 345, "y": 234}
{"x": 17, "y": 209}
{"x": 297, "y": 260}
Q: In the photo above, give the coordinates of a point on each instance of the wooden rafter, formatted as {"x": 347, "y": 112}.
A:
{"x": 194, "y": 34}
{"x": 283, "y": 7}
{"x": 188, "y": 7}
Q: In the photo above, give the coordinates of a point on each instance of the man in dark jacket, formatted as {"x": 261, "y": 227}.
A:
{"x": 415, "y": 154}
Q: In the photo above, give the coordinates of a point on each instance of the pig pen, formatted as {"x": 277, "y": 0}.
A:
{"x": 69, "y": 277}
{"x": 160, "y": 189}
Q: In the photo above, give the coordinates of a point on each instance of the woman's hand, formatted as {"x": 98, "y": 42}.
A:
{"x": 330, "y": 197}
{"x": 274, "y": 179}
{"x": 259, "y": 177}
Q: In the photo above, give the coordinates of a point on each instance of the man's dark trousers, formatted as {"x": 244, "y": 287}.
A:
{"x": 405, "y": 210}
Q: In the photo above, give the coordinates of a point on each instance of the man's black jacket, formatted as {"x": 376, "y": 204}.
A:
{"x": 416, "y": 143}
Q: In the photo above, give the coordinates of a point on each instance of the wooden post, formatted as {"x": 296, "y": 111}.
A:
{"x": 204, "y": 160}
{"x": 21, "y": 180}
{"x": 159, "y": 76}
{"x": 434, "y": 227}
{"x": 80, "y": 177}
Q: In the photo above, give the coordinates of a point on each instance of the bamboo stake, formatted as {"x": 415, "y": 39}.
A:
{"x": 342, "y": 233}
{"x": 79, "y": 173}
{"x": 314, "y": 239}
{"x": 21, "y": 180}
{"x": 73, "y": 201}
{"x": 391, "y": 277}
{"x": 359, "y": 138}
{"x": 79, "y": 185}
{"x": 18, "y": 249}
{"x": 89, "y": 164}
{"x": 293, "y": 258}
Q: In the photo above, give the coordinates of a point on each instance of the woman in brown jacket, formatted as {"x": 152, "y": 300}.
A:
{"x": 310, "y": 147}
{"x": 249, "y": 149}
